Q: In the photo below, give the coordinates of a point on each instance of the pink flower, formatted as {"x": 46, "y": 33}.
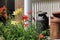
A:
{"x": 26, "y": 25}
{"x": 40, "y": 36}
{"x": 30, "y": 12}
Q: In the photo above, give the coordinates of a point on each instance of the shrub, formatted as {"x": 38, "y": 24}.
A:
{"x": 17, "y": 32}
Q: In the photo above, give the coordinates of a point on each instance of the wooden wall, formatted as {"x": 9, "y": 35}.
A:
{"x": 19, "y": 4}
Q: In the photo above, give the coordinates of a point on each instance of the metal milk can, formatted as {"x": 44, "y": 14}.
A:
{"x": 41, "y": 21}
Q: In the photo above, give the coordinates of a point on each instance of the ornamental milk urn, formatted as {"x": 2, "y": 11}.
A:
{"x": 41, "y": 21}
{"x": 55, "y": 25}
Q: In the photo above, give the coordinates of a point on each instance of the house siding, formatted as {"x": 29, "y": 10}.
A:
{"x": 19, "y": 4}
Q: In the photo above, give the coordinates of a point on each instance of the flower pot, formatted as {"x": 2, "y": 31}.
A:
{"x": 55, "y": 26}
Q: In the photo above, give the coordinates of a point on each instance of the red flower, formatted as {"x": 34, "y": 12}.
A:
{"x": 24, "y": 17}
{"x": 26, "y": 25}
{"x": 2, "y": 8}
{"x": 40, "y": 36}
{"x": 30, "y": 12}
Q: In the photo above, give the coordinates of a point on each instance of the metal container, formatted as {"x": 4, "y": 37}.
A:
{"x": 41, "y": 21}
{"x": 55, "y": 25}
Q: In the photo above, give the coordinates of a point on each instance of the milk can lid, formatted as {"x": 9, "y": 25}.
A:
{"x": 42, "y": 13}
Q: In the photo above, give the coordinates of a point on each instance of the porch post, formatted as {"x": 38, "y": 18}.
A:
{"x": 28, "y": 11}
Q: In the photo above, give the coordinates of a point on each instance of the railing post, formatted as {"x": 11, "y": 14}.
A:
{"x": 28, "y": 11}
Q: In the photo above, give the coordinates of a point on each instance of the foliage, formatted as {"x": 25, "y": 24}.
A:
{"x": 17, "y": 32}
{"x": 46, "y": 33}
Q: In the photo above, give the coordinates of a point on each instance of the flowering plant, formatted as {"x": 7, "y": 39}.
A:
{"x": 17, "y": 32}
{"x": 15, "y": 22}
{"x": 17, "y": 12}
